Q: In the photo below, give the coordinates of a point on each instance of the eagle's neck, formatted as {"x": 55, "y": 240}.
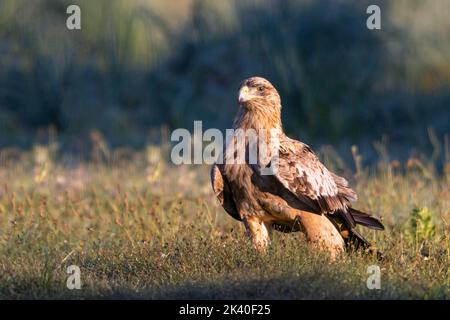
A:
{"x": 266, "y": 126}
{"x": 257, "y": 119}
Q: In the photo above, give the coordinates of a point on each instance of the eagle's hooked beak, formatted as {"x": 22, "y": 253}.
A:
{"x": 244, "y": 95}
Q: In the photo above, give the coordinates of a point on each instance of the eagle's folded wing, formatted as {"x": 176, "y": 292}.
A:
{"x": 223, "y": 193}
{"x": 301, "y": 172}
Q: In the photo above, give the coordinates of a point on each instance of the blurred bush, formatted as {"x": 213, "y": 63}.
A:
{"x": 138, "y": 65}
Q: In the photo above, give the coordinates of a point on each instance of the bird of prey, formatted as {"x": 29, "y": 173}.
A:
{"x": 300, "y": 194}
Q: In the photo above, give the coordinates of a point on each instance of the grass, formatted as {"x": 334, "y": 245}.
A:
{"x": 140, "y": 228}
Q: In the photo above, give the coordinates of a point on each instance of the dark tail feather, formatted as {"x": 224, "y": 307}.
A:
{"x": 366, "y": 220}
{"x": 346, "y": 221}
{"x": 357, "y": 241}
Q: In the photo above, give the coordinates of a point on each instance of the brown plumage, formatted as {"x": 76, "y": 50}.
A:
{"x": 300, "y": 195}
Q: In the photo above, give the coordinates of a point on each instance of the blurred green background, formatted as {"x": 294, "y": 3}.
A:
{"x": 141, "y": 65}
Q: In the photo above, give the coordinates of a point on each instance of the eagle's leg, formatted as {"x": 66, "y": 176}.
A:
{"x": 319, "y": 230}
{"x": 259, "y": 232}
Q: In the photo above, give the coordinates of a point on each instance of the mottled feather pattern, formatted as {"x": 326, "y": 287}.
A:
{"x": 301, "y": 171}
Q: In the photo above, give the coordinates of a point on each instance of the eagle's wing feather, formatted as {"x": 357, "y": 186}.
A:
{"x": 301, "y": 172}
{"x": 222, "y": 191}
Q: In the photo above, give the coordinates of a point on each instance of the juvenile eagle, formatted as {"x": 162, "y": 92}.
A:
{"x": 299, "y": 195}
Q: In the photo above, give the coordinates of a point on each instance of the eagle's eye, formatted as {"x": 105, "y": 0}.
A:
{"x": 261, "y": 88}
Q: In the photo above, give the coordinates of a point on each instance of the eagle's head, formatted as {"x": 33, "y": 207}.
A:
{"x": 260, "y": 105}
{"x": 259, "y": 94}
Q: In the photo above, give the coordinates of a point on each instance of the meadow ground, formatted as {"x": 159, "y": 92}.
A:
{"x": 140, "y": 228}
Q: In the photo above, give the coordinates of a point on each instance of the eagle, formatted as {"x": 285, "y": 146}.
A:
{"x": 295, "y": 193}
